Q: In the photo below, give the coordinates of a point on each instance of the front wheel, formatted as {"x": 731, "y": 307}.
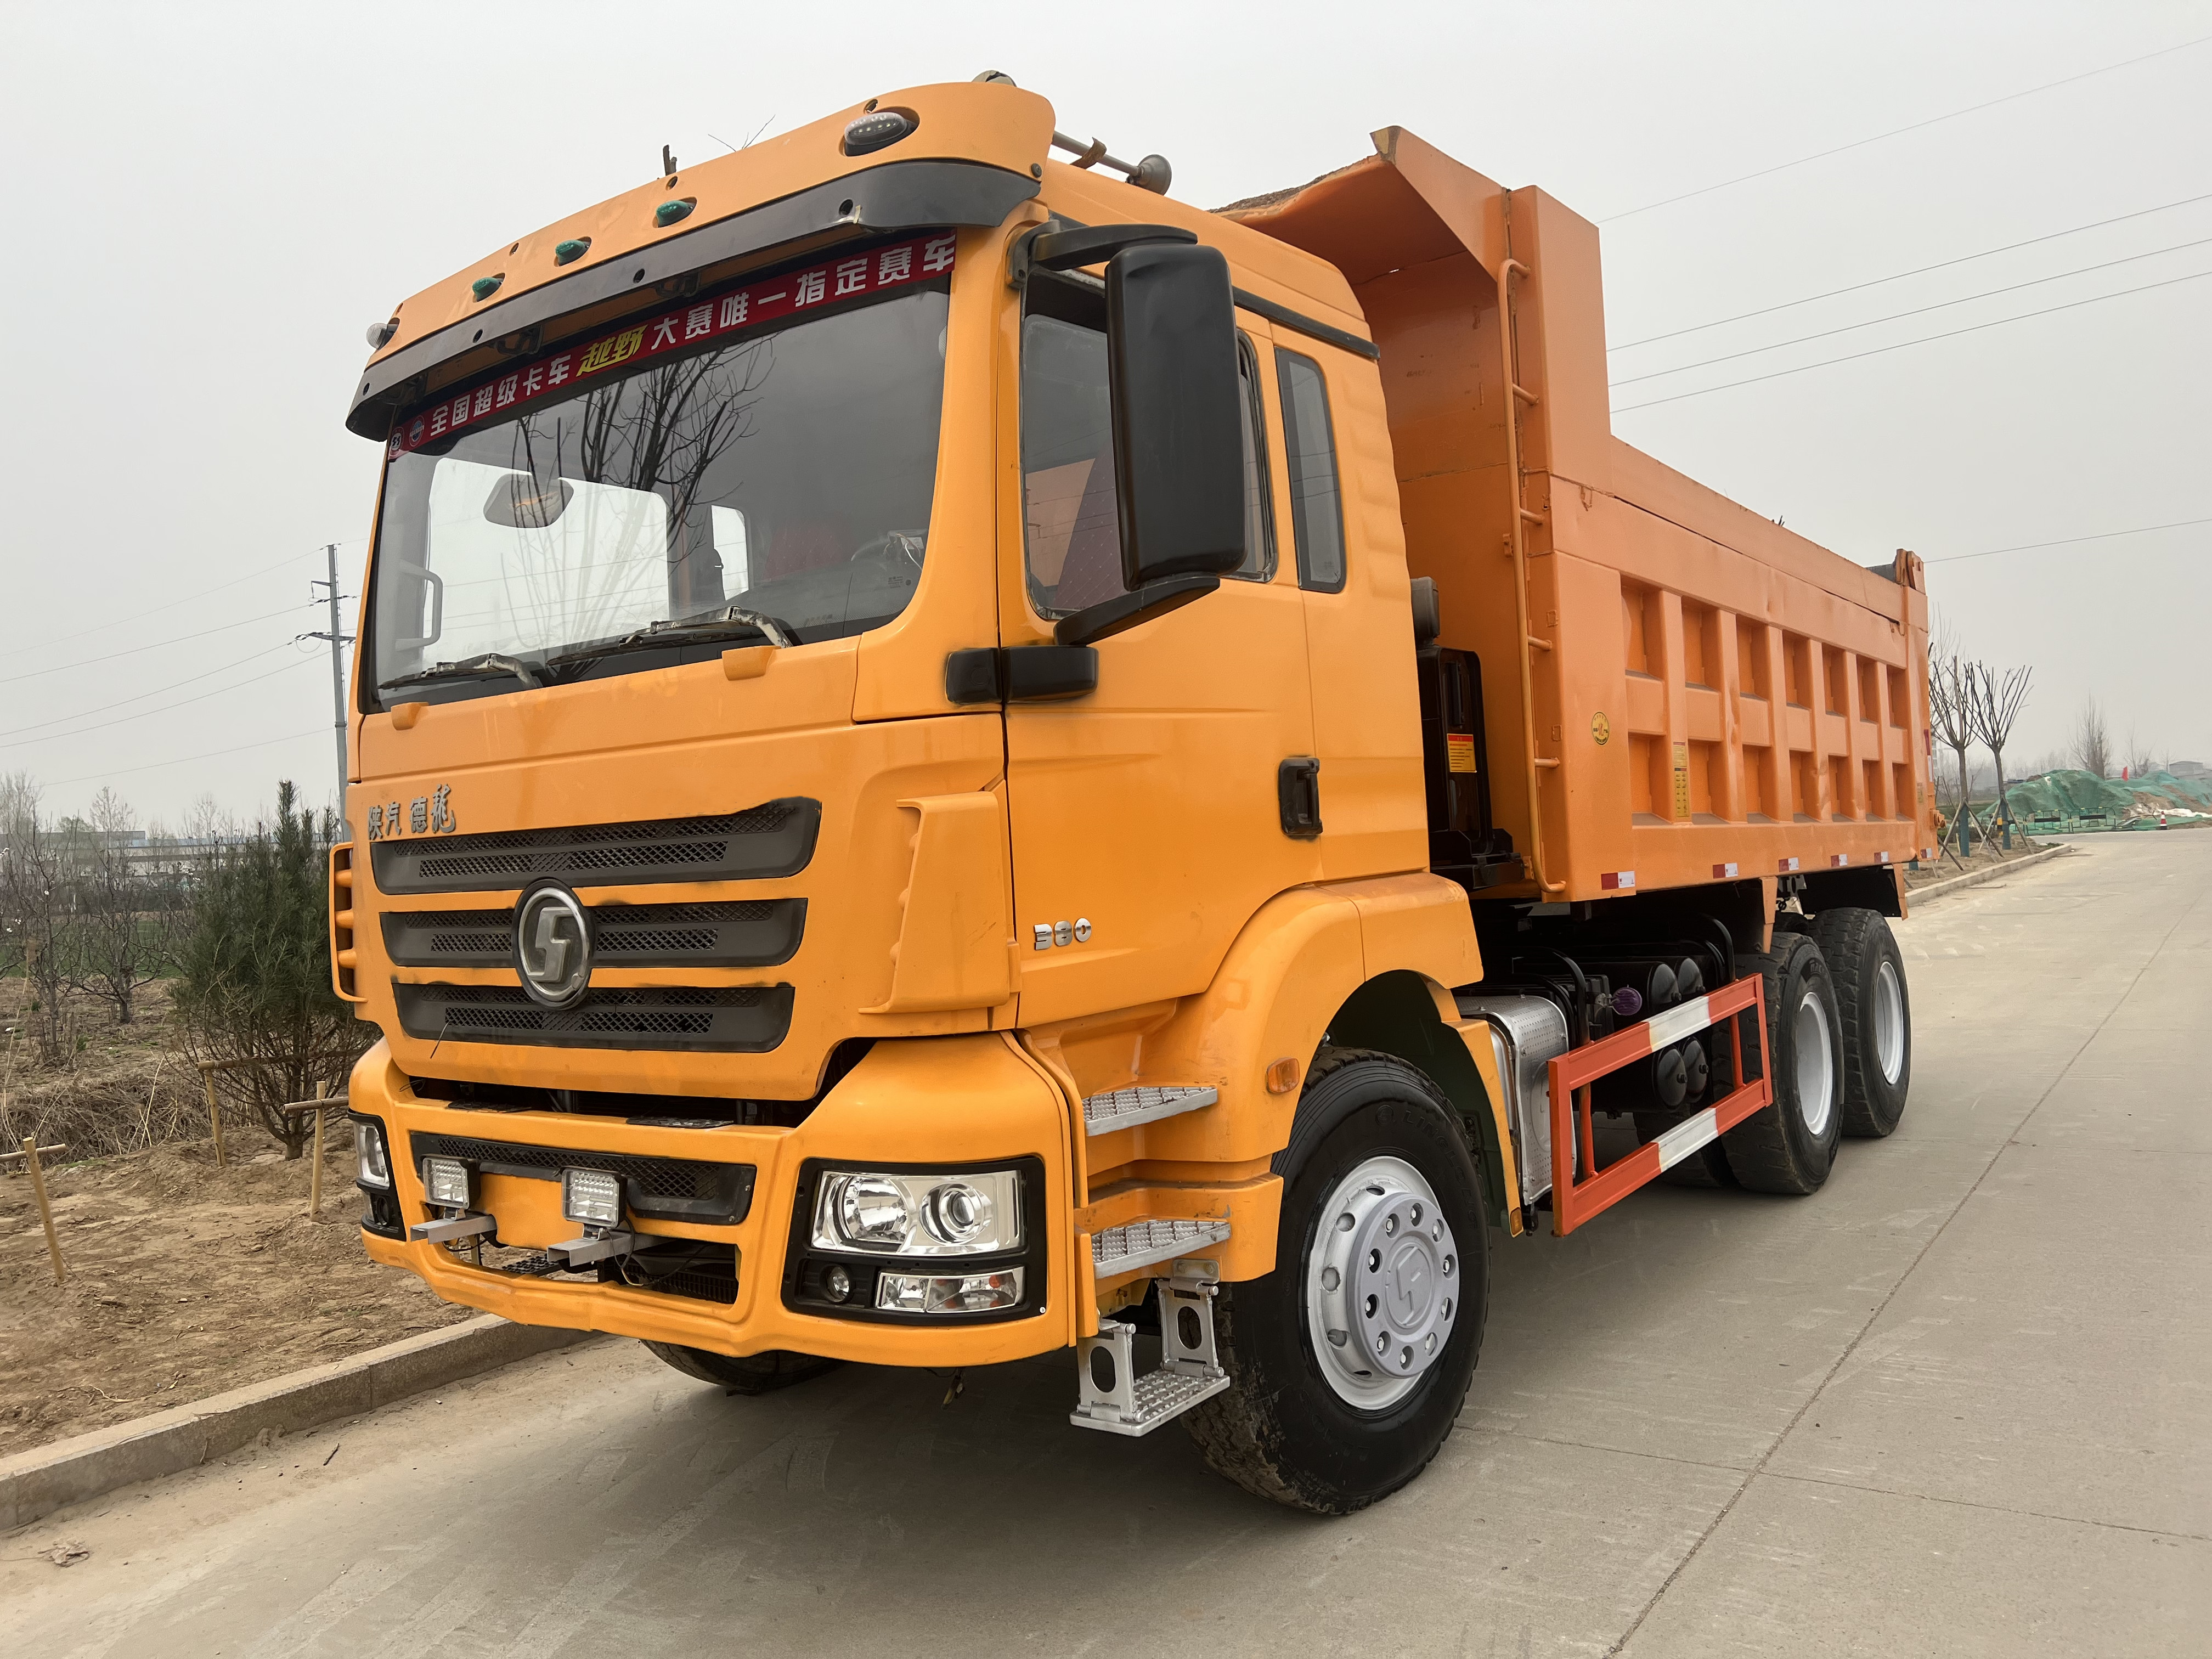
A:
{"x": 758, "y": 1373}
{"x": 1349, "y": 1363}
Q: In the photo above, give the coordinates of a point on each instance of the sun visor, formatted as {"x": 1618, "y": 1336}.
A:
{"x": 897, "y": 196}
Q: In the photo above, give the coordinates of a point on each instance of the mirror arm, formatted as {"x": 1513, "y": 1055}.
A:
{"x": 1124, "y": 610}
{"x": 1054, "y": 247}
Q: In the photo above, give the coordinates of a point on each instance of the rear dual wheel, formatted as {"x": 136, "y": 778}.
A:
{"x": 1876, "y": 1015}
{"x": 1788, "y": 1146}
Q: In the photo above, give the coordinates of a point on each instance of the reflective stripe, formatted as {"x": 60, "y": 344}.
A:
{"x": 1677, "y": 1023}
{"x": 1686, "y": 1137}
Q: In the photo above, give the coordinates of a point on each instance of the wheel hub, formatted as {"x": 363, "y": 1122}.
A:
{"x": 1382, "y": 1283}
{"x": 1889, "y": 1022}
{"x": 1816, "y": 1062}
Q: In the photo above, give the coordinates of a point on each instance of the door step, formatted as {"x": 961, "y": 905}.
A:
{"x": 1139, "y": 1243}
{"x": 1110, "y": 1395}
{"x": 1125, "y": 1109}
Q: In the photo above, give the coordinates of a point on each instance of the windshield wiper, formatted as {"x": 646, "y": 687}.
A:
{"x": 734, "y": 624}
{"x": 490, "y": 663}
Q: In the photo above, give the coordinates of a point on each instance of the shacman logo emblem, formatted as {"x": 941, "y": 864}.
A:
{"x": 553, "y": 945}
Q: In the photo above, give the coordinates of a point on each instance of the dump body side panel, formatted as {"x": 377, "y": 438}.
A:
{"x": 1711, "y": 697}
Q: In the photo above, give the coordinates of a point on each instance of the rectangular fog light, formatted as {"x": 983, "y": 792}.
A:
{"x": 445, "y": 1180}
{"x": 592, "y": 1196}
{"x": 949, "y": 1293}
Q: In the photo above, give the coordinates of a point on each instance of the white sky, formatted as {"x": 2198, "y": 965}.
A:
{"x": 207, "y": 206}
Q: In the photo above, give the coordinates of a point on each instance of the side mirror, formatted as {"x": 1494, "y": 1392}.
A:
{"x": 1177, "y": 417}
{"x": 1178, "y": 428}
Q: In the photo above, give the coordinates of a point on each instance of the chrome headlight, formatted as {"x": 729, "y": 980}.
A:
{"x": 375, "y": 1168}
{"x": 944, "y": 1212}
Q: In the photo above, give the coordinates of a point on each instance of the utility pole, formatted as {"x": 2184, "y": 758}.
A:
{"x": 338, "y": 642}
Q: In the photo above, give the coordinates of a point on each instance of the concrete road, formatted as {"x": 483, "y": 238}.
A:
{"x": 1955, "y": 1403}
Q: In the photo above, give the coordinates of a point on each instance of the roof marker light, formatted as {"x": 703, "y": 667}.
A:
{"x": 867, "y": 134}
{"x": 568, "y": 252}
{"x": 669, "y": 211}
{"x": 484, "y": 287}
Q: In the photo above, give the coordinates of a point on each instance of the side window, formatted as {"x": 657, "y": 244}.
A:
{"x": 1258, "y": 564}
{"x": 1072, "y": 526}
{"x": 1310, "y": 446}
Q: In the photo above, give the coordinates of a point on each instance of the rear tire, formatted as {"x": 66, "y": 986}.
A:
{"x": 1876, "y": 1012}
{"x": 1787, "y": 1145}
{"x": 1377, "y": 1161}
{"x": 757, "y": 1373}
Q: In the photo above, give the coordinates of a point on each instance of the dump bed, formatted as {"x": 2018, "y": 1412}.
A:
{"x": 1674, "y": 689}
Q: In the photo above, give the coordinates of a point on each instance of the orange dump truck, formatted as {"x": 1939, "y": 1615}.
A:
{"x": 953, "y": 759}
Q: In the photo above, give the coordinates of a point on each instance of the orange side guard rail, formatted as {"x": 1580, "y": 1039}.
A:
{"x": 1579, "y": 1188}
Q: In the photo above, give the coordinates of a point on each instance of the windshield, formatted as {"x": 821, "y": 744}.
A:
{"x": 787, "y": 473}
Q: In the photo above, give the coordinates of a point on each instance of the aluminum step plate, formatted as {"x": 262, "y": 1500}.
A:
{"x": 1161, "y": 1396}
{"x": 1117, "y": 1249}
{"x": 1124, "y": 1109}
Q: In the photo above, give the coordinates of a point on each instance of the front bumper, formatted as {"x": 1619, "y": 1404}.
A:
{"x": 944, "y": 1101}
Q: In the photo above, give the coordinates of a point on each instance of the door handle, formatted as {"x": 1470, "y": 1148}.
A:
{"x": 1297, "y": 797}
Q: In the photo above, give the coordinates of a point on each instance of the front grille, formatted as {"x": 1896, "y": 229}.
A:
{"x": 732, "y": 1019}
{"x": 774, "y": 839}
{"x": 739, "y": 933}
{"x": 667, "y": 1188}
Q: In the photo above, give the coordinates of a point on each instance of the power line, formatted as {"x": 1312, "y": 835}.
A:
{"x": 62, "y": 720}
{"x": 148, "y": 713}
{"x": 1876, "y": 351}
{"x": 1919, "y": 271}
{"x": 1915, "y": 126}
{"x": 1917, "y": 311}
{"x": 197, "y": 593}
{"x": 181, "y": 760}
{"x": 2069, "y": 541}
{"x": 174, "y": 639}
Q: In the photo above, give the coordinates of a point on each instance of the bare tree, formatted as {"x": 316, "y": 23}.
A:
{"x": 1949, "y": 704}
{"x": 2136, "y": 759}
{"x": 36, "y": 897}
{"x": 128, "y": 914}
{"x": 2092, "y": 745}
{"x": 1992, "y": 705}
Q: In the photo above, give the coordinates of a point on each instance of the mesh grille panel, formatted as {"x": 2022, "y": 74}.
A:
{"x": 774, "y": 839}
{"x": 682, "y": 1189}
{"x": 743, "y": 1019}
{"x": 710, "y": 933}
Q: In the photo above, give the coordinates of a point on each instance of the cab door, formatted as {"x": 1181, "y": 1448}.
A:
{"x": 1149, "y": 817}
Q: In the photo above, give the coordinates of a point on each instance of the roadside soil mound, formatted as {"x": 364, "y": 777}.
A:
{"x": 183, "y": 1280}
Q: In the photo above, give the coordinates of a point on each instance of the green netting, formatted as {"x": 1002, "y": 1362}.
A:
{"x": 2081, "y": 801}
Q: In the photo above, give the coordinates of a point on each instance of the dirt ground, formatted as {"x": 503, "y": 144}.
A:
{"x": 183, "y": 1280}
{"x": 1948, "y": 865}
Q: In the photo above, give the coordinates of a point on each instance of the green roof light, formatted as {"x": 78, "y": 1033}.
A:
{"x": 669, "y": 212}
{"x": 567, "y": 253}
{"x": 484, "y": 287}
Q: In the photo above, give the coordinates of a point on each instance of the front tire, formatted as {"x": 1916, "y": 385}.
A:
{"x": 1348, "y": 1363}
{"x": 1788, "y": 1146}
{"x": 757, "y": 1373}
{"x": 1876, "y": 1013}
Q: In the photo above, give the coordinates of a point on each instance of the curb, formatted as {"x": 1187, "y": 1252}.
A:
{"x": 35, "y": 1483}
{"x": 1918, "y": 896}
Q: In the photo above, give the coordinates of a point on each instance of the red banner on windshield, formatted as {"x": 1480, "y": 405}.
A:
{"x": 688, "y": 325}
